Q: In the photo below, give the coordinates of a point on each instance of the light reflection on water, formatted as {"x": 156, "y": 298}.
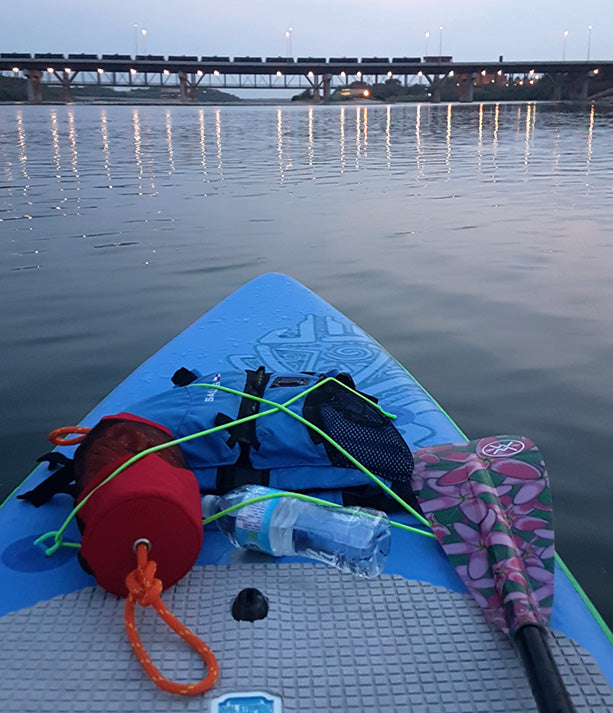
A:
{"x": 474, "y": 242}
{"x": 305, "y": 138}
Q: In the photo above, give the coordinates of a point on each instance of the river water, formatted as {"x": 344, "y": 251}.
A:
{"x": 475, "y": 242}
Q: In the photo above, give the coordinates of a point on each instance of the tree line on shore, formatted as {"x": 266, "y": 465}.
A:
{"x": 15, "y": 89}
{"x": 540, "y": 88}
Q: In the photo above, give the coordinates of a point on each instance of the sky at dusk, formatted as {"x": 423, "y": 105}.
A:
{"x": 472, "y": 29}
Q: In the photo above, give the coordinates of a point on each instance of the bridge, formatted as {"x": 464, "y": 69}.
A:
{"x": 182, "y": 75}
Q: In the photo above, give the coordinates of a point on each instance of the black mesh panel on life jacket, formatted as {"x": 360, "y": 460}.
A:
{"x": 361, "y": 429}
{"x": 114, "y": 438}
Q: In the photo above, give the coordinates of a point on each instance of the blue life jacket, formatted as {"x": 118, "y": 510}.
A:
{"x": 276, "y": 449}
{"x": 273, "y": 449}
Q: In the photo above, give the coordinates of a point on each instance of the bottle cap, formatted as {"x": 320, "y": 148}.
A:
{"x": 209, "y": 506}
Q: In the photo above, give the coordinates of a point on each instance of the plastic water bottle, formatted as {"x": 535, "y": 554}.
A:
{"x": 352, "y": 539}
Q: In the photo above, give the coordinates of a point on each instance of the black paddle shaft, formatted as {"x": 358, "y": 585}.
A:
{"x": 547, "y": 687}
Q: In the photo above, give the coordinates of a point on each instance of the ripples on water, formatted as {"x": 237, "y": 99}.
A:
{"x": 474, "y": 242}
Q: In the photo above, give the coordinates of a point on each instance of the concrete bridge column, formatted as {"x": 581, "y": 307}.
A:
{"x": 466, "y": 88}
{"x": 557, "y": 89}
{"x": 184, "y": 87}
{"x": 189, "y": 86}
{"x": 435, "y": 88}
{"x": 315, "y": 84}
{"x": 66, "y": 79}
{"x": 577, "y": 90}
{"x": 326, "y": 86}
{"x": 35, "y": 90}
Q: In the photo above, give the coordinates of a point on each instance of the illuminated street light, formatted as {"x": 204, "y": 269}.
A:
{"x": 440, "y": 42}
{"x": 216, "y": 73}
{"x": 15, "y": 69}
{"x": 427, "y": 37}
{"x": 166, "y": 72}
{"x": 51, "y": 70}
{"x": 279, "y": 73}
{"x": 200, "y": 73}
{"x": 288, "y": 39}
{"x": 564, "y": 37}
{"x": 100, "y": 70}
{"x": 132, "y": 71}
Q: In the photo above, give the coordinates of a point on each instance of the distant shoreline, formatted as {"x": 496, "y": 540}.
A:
{"x": 605, "y": 101}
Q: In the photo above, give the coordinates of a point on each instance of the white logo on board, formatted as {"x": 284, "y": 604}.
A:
{"x": 502, "y": 448}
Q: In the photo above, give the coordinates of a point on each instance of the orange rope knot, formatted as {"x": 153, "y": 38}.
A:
{"x": 142, "y": 582}
{"x": 145, "y": 588}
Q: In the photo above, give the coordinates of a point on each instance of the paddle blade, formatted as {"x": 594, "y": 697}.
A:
{"x": 489, "y": 504}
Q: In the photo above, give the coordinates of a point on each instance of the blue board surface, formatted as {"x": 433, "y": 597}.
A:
{"x": 276, "y": 322}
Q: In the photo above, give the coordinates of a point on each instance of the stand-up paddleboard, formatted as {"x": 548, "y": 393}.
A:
{"x": 411, "y": 639}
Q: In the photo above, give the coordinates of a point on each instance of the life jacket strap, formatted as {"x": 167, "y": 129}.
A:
{"x": 235, "y": 475}
{"x": 244, "y": 433}
{"x": 58, "y": 482}
{"x": 242, "y": 472}
{"x": 183, "y": 377}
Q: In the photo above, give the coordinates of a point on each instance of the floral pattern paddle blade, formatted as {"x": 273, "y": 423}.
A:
{"x": 489, "y": 504}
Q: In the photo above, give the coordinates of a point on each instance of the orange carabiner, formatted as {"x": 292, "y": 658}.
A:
{"x": 56, "y": 435}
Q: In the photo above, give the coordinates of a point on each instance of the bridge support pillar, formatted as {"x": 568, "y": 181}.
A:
{"x": 318, "y": 84}
{"x": 189, "y": 87}
{"x": 435, "y": 88}
{"x": 315, "y": 84}
{"x": 466, "y": 87}
{"x": 577, "y": 90}
{"x": 325, "y": 80}
{"x": 557, "y": 90}
{"x": 66, "y": 79}
{"x": 35, "y": 90}
{"x": 184, "y": 87}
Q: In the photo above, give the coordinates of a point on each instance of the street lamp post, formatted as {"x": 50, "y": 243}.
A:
{"x": 135, "y": 40}
{"x": 440, "y": 43}
{"x": 427, "y": 37}
{"x": 565, "y": 35}
{"x": 589, "y": 41}
{"x": 288, "y": 38}
{"x": 144, "y": 34}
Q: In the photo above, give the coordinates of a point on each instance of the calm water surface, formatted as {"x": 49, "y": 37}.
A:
{"x": 474, "y": 242}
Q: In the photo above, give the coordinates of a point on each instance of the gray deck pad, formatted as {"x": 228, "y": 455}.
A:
{"x": 330, "y": 642}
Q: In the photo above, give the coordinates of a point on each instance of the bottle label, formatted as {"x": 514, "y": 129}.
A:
{"x": 253, "y": 521}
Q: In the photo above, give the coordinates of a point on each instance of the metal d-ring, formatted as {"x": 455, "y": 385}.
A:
{"x": 142, "y": 541}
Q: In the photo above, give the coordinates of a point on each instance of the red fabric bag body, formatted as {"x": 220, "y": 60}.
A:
{"x": 156, "y": 498}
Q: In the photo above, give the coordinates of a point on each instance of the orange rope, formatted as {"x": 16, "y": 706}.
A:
{"x": 56, "y": 435}
{"x": 144, "y": 587}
